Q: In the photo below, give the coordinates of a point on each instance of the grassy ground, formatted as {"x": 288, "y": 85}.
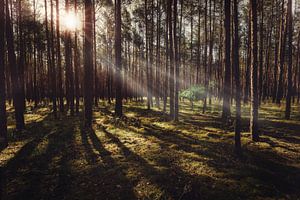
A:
{"x": 145, "y": 156}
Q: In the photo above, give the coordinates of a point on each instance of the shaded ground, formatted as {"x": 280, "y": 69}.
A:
{"x": 144, "y": 156}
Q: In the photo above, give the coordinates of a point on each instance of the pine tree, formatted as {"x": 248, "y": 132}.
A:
{"x": 118, "y": 58}
{"x": 254, "y": 92}
{"x": 290, "y": 59}
{"x": 227, "y": 80}
{"x": 3, "y": 120}
{"x": 88, "y": 63}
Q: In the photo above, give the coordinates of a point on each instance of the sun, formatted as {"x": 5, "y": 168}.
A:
{"x": 70, "y": 21}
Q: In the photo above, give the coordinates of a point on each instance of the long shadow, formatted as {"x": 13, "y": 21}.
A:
{"x": 29, "y": 173}
{"x": 267, "y": 167}
{"x": 106, "y": 173}
{"x": 64, "y": 184}
{"x": 288, "y": 132}
{"x": 160, "y": 178}
{"x": 276, "y": 144}
{"x": 173, "y": 181}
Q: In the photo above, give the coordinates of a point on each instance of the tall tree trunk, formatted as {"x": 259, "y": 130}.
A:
{"x": 35, "y": 86}
{"x": 167, "y": 62}
{"x": 48, "y": 52}
{"x": 282, "y": 40}
{"x": 254, "y": 92}
{"x": 22, "y": 55}
{"x": 147, "y": 57}
{"x": 298, "y": 69}
{"x": 205, "y": 55}
{"x": 3, "y": 119}
{"x": 96, "y": 82}
{"x": 53, "y": 69}
{"x": 76, "y": 66}
{"x": 58, "y": 54}
{"x": 176, "y": 55}
{"x": 248, "y": 64}
{"x": 16, "y": 84}
{"x": 69, "y": 67}
{"x": 158, "y": 61}
{"x": 172, "y": 61}
{"x": 118, "y": 58}
{"x": 227, "y": 80}
{"x": 88, "y": 64}
{"x": 261, "y": 49}
{"x": 237, "y": 79}
{"x": 290, "y": 59}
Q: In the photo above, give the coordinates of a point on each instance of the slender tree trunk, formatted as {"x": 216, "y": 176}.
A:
{"x": 237, "y": 79}
{"x": 261, "y": 49}
{"x": 254, "y": 93}
{"x": 248, "y": 64}
{"x": 3, "y": 119}
{"x": 76, "y": 66}
{"x": 298, "y": 69}
{"x": 58, "y": 54}
{"x": 118, "y": 58}
{"x": 176, "y": 55}
{"x": 69, "y": 67}
{"x": 205, "y": 56}
{"x": 172, "y": 60}
{"x": 279, "y": 90}
{"x": 35, "y": 87}
{"x": 158, "y": 61}
{"x": 167, "y": 63}
{"x": 49, "y": 91}
{"x": 88, "y": 64}
{"x": 53, "y": 69}
{"x": 21, "y": 56}
{"x": 290, "y": 59}
{"x": 227, "y": 80}
{"x": 16, "y": 84}
{"x": 96, "y": 95}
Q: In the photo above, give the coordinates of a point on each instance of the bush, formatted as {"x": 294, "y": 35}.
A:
{"x": 194, "y": 93}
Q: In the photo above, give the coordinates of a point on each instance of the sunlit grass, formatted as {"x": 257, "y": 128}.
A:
{"x": 146, "y": 155}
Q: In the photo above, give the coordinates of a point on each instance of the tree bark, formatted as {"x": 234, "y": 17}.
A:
{"x": 237, "y": 79}
{"x": 88, "y": 64}
{"x": 118, "y": 58}
{"x": 254, "y": 92}
{"x": 16, "y": 84}
{"x": 290, "y": 59}
{"x": 227, "y": 80}
{"x": 3, "y": 118}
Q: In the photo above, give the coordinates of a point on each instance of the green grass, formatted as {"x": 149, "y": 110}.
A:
{"x": 146, "y": 156}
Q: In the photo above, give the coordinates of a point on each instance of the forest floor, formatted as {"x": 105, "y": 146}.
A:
{"x": 146, "y": 156}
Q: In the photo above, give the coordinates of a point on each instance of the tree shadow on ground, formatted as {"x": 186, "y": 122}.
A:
{"x": 40, "y": 169}
{"x": 173, "y": 182}
{"x": 107, "y": 177}
{"x": 267, "y": 168}
{"x": 63, "y": 160}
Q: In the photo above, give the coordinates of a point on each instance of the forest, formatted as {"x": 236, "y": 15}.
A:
{"x": 149, "y": 99}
